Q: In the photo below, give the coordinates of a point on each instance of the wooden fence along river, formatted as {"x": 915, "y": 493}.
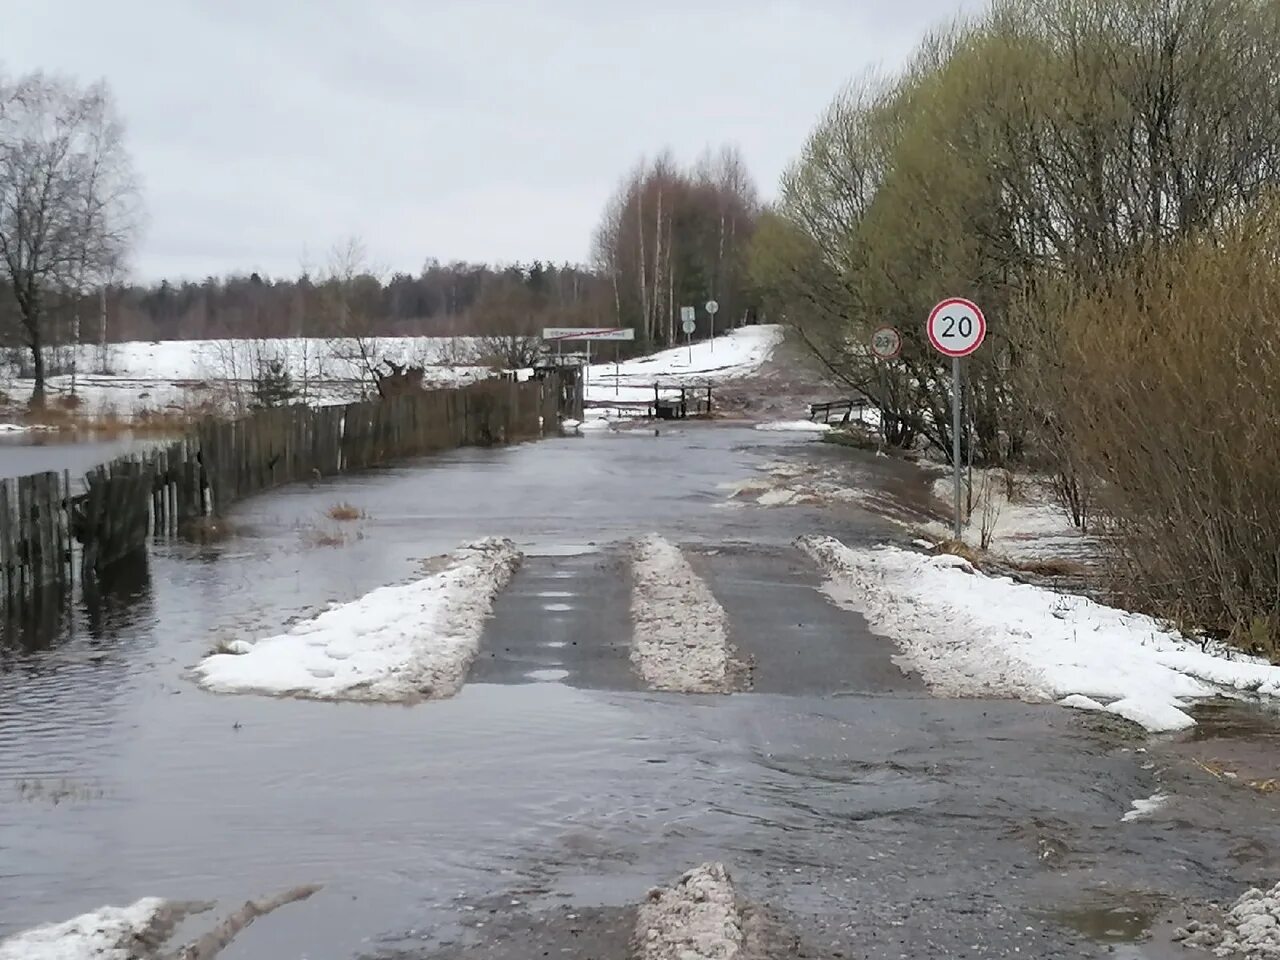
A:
{"x": 48, "y": 535}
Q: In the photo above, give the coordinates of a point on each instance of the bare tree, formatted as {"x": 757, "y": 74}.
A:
{"x": 68, "y": 198}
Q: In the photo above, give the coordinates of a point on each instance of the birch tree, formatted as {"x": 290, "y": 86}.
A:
{"x": 69, "y": 202}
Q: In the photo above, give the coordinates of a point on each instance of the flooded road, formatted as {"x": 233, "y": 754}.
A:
{"x": 544, "y": 800}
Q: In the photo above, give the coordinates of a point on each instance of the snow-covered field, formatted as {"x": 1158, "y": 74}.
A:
{"x": 186, "y": 374}
{"x": 738, "y": 353}
{"x": 969, "y": 634}
{"x": 396, "y": 643}
{"x": 681, "y": 639}
{"x": 111, "y": 933}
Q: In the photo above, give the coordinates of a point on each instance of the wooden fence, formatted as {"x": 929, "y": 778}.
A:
{"x": 48, "y": 537}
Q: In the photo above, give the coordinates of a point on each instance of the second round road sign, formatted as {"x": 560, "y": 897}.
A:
{"x": 886, "y": 343}
{"x": 957, "y": 327}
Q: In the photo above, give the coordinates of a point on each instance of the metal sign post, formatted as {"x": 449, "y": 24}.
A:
{"x": 886, "y": 345}
{"x": 688, "y": 322}
{"x": 712, "y": 308}
{"x": 956, "y": 328}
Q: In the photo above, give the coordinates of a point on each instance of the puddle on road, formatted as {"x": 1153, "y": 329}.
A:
{"x": 1109, "y": 917}
{"x": 1234, "y": 719}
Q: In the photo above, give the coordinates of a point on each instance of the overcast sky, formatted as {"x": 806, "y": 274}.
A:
{"x": 265, "y": 131}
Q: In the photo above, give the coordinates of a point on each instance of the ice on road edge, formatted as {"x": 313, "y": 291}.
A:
{"x": 969, "y": 634}
{"x": 111, "y": 933}
{"x": 681, "y": 638}
{"x": 397, "y": 643}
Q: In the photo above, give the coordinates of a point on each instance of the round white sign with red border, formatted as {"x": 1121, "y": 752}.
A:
{"x": 957, "y": 327}
{"x": 886, "y": 343}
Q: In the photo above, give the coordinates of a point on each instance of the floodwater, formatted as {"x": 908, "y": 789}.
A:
{"x": 38, "y": 452}
{"x": 874, "y": 818}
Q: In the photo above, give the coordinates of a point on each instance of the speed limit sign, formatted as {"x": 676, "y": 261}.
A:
{"x": 886, "y": 343}
{"x": 957, "y": 327}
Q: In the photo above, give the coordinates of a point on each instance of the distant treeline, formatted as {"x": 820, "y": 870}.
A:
{"x": 443, "y": 300}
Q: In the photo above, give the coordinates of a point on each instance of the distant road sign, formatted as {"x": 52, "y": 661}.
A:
{"x": 957, "y": 327}
{"x": 688, "y": 315}
{"x": 886, "y": 343}
{"x": 588, "y": 333}
{"x": 688, "y": 326}
{"x": 712, "y": 307}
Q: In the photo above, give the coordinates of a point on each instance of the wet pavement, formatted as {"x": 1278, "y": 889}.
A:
{"x": 526, "y": 816}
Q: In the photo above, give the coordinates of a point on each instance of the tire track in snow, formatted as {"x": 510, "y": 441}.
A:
{"x": 680, "y": 641}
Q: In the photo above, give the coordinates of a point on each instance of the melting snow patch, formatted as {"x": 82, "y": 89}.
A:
{"x": 681, "y": 640}
{"x": 1078, "y": 702}
{"x": 1251, "y": 928}
{"x": 794, "y": 426}
{"x": 107, "y": 934}
{"x": 1143, "y": 808}
{"x": 969, "y": 634}
{"x": 696, "y": 919}
{"x": 395, "y": 643}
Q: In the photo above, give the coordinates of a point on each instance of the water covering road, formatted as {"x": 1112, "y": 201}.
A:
{"x": 537, "y": 805}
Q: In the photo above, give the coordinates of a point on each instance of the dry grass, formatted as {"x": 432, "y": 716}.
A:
{"x": 207, "y": 530}
{"x": 344, "y": 512}
{"x": 317, "y": 537}
{"x": 958, "y": 548}
{"x": 67, "y": 414}
{"x": 1051, "y": 567}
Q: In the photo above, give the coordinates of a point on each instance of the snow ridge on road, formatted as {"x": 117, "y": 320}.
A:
{"x": 681, "y": 640}
{"x": 696, "y": 919}
{"x": 111, "y": 933}
{"x": 972, "y": 635}
{"x": 398, "y": 643}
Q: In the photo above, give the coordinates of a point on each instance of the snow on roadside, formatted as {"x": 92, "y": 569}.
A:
{"x": 1251, "y": 927}
{"x": 969, "y": 634}
{"x": 396, "y": 643}
{"x": 698, "y": 917}
{"x": 681, "y": 637}
{"x": 1030, "y": 525}
{"x": 111, "y": 933}
{"x": 794, "y": 426}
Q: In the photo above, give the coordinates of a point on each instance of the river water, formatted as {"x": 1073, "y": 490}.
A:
{"x": 875, "y": 817}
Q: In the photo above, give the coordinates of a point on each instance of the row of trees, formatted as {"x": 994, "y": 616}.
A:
{"x": 1063, "y": 163}
{"x": 671, "y": 237}
{"x": 70, "y": 212}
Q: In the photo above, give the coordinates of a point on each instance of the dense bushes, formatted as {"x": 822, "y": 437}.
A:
{"x": 1095, "y": 174}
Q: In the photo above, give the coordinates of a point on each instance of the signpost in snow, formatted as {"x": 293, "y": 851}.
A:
{"x": 688, "y": 321}
{"x": 558, "y": 335}
{"x": 712, "y": 309}
{"x": 956, "y": 329}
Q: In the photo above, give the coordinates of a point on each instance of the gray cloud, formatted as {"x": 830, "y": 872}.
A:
{"x": 448, "y": 128}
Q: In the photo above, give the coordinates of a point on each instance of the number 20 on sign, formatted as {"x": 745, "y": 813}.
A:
{"x": 957, "y": 327}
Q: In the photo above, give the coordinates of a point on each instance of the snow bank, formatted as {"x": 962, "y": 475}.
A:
{"x": 696, "y": 919}
{"x": 111, "y": 933}
{"x": 395, "y": 643}
{"x": 973, "y": 635}
{"x": 681, "y": 639}
{"x": 1251, "y": 927}
{"x": 794, "y": 426}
